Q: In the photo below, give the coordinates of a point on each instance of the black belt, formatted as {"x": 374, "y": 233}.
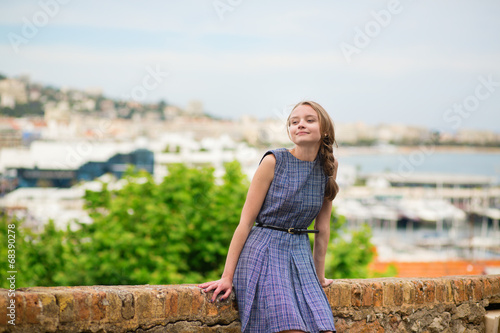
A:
{"x": 293, "y": 231}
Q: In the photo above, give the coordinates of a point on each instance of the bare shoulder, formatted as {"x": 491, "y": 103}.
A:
{"x": 269, "y": 160}
{"x": 265, "y": 171}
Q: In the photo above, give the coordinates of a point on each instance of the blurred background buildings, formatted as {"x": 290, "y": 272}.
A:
{"x": 56, "y": 143}
{"x": 413, "y": 88}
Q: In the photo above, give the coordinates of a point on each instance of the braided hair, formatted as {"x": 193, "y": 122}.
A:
{"x": 326, "y": 148}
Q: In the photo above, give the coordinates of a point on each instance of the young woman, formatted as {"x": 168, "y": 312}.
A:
{"x": 277, "y": 280}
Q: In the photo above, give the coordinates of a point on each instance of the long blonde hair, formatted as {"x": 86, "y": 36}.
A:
{"x": 326, "y": 147}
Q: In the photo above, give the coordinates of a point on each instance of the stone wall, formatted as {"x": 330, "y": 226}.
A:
{"x": 449, "y": 304}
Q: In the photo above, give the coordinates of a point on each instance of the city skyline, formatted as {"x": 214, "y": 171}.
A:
{"x": 375, "y": 62}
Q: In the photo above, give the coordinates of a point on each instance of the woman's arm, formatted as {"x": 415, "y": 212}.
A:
{"x": 321, "y": 239}
{"x": 253, "y": 203}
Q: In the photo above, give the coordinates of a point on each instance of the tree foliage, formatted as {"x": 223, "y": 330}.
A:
{"x": 20, "y": 110}
{"x": 350, "y": 252}
{"x": 172, "y": 232}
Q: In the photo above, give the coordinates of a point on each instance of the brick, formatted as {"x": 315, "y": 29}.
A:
{"x": 458, "y": 290}
{"x": 98, "y": 306}
{"x": 356, "y": 295}
{"x": 82, "y": 304}
{"x": 197, "y": 303}
{"x": 448, "y": 291}
{"x": 378, "y": 294}
{"x": 185, "y": 300}
{"x": 495, "y": 285}
{"x": 487, "y": 288}
{"x": 367, "y": 295}
{"x": 388, "y": 294}
{"x": 398, "y": 293}
{"x": 430, "y": 291}
{"x": 131, "y": 308}
{"x": 171, "y": 304}
{"x": 65, "y": 301}
{"x": 419, "y": 292}
{"x": 329, "y": 293}
{"x": 127, "y": 308}
{"x": 4, "y": 302}
{"x": 440, "y": 291}
{"x": 335, "y": 296}
{"x": 477, "y": 289}
{"x": 345, "y": 294}
{"x": 20, "y": 308}
{"x": 50, "y": 309}
{"x": 408, "y": 292}
{"x": 143, "y": 304}
{"x": 33, "y": 308}
{"x": 469, "y": 292}
{"x": 159, "y": 303}
{"x": 113, "y": 307}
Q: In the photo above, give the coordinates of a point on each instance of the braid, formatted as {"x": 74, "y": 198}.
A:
{"x": 328, "y": 162}
{"x": 326, "y": 148}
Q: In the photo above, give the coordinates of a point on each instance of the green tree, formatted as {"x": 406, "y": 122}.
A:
{"x": 40, "y": 259}
{"x": 171, "y": 232}
{"x": 177, "y": 231}
{"x": 350, "y": 252}
{"x": 21, "y": 110}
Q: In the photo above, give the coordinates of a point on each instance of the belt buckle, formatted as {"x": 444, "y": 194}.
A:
{"x": 290, "y": 231}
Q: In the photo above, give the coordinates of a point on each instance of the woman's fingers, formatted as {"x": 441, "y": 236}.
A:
{"x": 218, "y": 287}
{"x": 204, "y": 285}
{"x": 217, "y": 291}
{"x": 328, "y": 282}
{"x": 226, "y": 294}
{"x": 211, "y": 287}
{"x": 207, "y": 286}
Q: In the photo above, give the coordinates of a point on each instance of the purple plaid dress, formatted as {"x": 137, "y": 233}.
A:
{"x": 275, "y": 280}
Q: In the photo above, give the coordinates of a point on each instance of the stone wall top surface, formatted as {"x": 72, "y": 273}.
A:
{"x": 159, "y": 308}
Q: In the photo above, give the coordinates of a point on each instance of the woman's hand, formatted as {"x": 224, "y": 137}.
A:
{"x": 326, "y": 282}
{"x": 224, "y": 285}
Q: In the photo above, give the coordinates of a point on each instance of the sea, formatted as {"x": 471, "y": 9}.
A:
{"x": 424, "y": 160}
{"x": 402, "y": 244}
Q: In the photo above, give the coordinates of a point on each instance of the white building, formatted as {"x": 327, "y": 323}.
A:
{"x": 183, "y": 148}
{"x": 12, "y": 91}
{"x": 38, "y": 205}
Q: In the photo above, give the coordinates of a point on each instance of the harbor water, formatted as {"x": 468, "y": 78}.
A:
{"x": 458, "y": 235}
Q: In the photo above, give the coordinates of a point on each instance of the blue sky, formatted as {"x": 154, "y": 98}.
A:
{"x": 419, "y": 59}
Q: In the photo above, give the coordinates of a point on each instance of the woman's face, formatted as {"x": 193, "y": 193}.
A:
{"x": 304, "y": 126}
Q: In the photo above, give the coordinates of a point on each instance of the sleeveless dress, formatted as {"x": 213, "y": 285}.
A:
{"x": 275, "y": 279}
